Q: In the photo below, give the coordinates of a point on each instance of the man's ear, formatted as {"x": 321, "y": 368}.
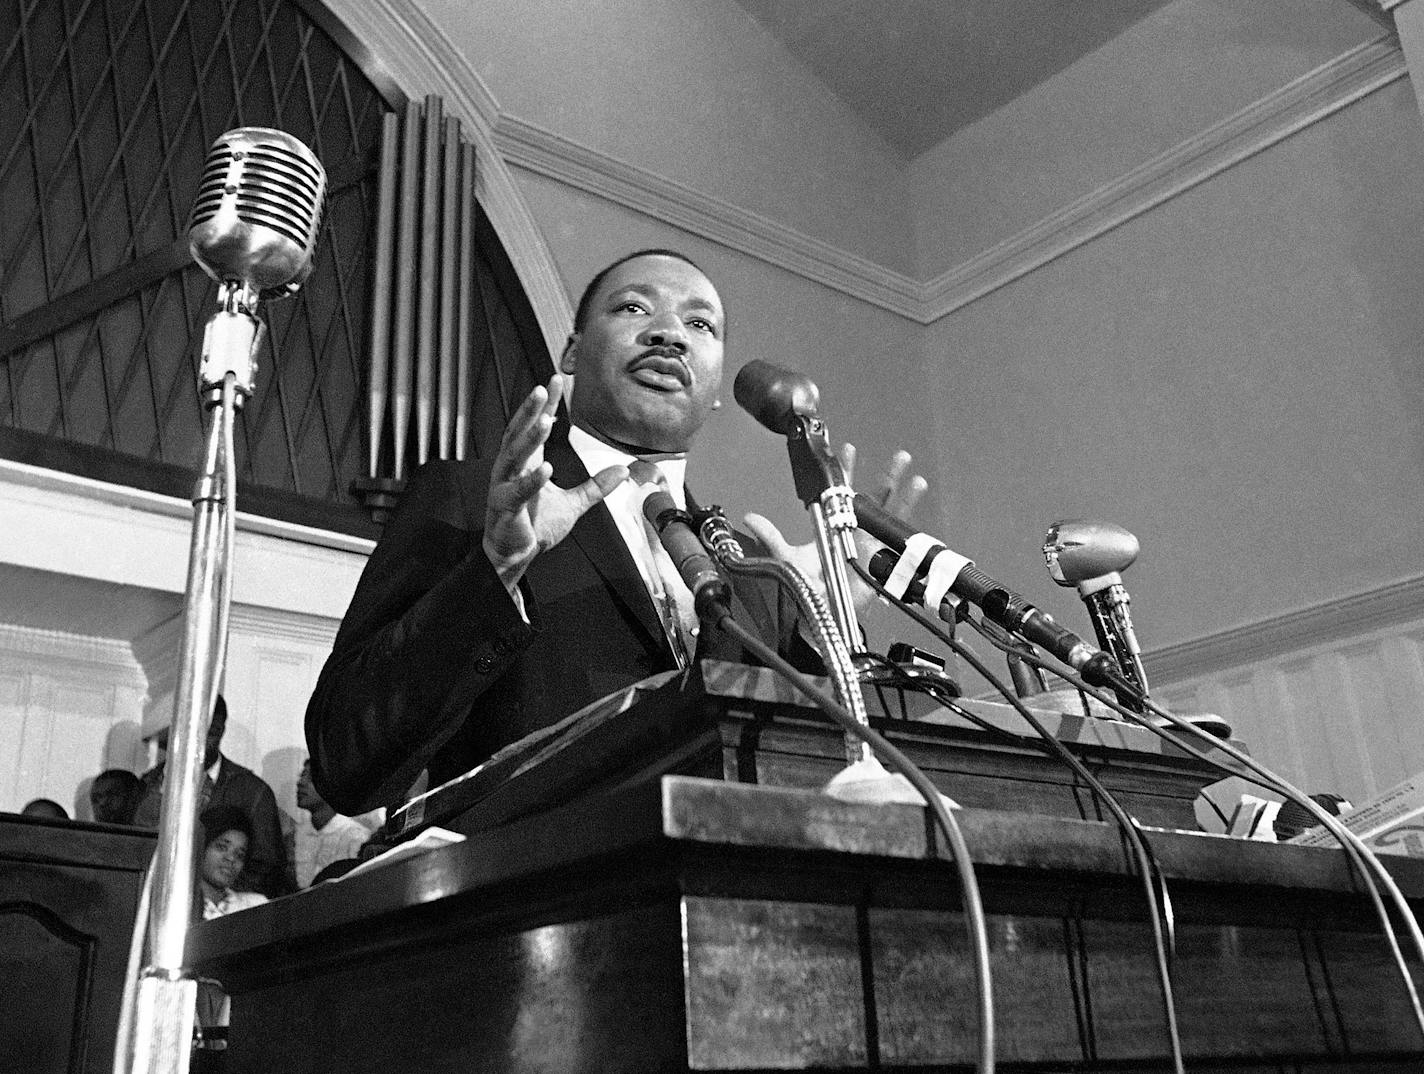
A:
{"x": 569, "y": 359}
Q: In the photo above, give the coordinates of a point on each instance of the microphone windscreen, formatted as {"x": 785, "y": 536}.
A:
{"x": 773, "y": 395}
{"x": 1079, "y": 550}
{"x": 258, "y": 210}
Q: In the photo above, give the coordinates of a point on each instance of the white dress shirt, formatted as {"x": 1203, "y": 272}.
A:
{"x": 665, "y": 586}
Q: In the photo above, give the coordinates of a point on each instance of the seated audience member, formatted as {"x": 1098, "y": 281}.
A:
{"x": 226, "y": 833}
{"x": 113, "y": 796}
{"x": 47, "y": 808}
{"x": 229, "y": 783}
{"x": 323, "y": 835}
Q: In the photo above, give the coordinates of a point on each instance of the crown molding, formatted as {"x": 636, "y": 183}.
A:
{"x": 270, "y": 624}
{"x": 537, "y": 150}
{"x": 416, "y": 53}
{"x": 1320, "y": 93}
{"x": 1320, "y": 624}
{"x": 1262, "y": 124}
{"x": 59, "y": 648}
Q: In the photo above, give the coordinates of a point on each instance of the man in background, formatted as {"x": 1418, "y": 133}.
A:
{"x": 227, "y": 783}
{"x": 114, "y": 796}
{"x": 323, "y": 835}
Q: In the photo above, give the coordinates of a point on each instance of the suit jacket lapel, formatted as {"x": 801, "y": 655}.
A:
{"x": 598, "y": 537}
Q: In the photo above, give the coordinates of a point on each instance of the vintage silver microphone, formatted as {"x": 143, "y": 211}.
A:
{"x": 1091, "y": 556}
{"x": 253, "y": 229}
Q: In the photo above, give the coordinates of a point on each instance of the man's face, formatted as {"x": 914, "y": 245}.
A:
{"x": 307, "y": 798}
{"x": 648, "y": 364}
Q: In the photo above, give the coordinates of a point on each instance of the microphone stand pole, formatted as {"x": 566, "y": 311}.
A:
{"x": 821, "y": 485}
{"x": 167, "y": 991}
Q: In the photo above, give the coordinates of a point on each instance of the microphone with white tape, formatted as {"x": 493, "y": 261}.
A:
{"x": 946, "y": 577}
{"x": 1091, "y": 556}
{"x": 254, "y": 230}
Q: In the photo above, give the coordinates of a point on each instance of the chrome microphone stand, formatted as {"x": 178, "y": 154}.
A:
{"x": 167, "y": 992}
{"x": 254, "y": 230}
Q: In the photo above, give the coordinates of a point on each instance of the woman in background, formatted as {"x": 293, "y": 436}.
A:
{"x": 227, "y": 831}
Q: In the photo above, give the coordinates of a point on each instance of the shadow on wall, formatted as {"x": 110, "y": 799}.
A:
{"x": 124, "y": 747}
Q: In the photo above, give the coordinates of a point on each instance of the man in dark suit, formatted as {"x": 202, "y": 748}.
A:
{"x": 507, "y": 593}
{"x": 227, "y": 783}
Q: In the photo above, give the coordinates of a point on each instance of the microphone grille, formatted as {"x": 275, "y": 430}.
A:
{"x": 258, "y": 209}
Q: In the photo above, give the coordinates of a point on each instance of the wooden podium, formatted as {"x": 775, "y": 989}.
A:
{"x": 659, "y": 922}
{"x": 746, "y": 725}
{"x": 693, "y": 924}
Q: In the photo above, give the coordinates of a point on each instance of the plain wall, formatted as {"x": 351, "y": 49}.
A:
{"x": 696, "y": 92}
{"x": 1234, "y": 376}
{"x": 1182, "y": 69}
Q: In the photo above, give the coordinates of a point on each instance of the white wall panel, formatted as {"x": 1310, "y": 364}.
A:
{"x": 69, "y": 707}
{"x": 90, "y": 632}
{"x": 1345, "y": 716}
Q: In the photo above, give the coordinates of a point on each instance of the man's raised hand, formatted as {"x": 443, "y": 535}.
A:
{"x": 526, "y": 513}
{"x": 895, "y": 493}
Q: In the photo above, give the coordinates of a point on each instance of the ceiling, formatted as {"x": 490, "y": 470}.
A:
{"x": 918, "y": 70}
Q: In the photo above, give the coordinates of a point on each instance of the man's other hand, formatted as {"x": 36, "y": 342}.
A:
{"x": 897, "y": 492}
{"x": 526, "y": 513}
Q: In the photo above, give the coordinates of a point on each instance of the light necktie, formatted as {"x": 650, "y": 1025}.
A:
{"x": 670, "y": 594}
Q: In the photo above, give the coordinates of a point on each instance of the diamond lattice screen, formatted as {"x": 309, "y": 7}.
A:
{"x": 111, "y": 107}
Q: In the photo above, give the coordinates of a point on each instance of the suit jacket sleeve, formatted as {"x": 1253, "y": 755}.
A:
{"x": 430, "y": 628}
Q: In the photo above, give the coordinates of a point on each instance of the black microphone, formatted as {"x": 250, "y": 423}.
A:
{"x": 775, "y": 396}
{"x": 711, "y": 595}
{"x": 999, "y": 603}
{"x": 258, "y": 210}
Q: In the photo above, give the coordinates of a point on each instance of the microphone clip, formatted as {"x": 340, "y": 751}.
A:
{"x": 231, "y": 340}
{"x": 815, "y": 468}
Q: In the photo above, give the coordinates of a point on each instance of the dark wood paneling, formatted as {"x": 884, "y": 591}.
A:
{"x": 68, "y": 896}
{"x": 701, "y": 925}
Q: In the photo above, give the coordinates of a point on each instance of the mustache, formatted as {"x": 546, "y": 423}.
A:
{"x": 666, "y": 359}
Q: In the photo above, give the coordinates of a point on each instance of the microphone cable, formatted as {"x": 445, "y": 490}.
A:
{"x": 1367, "y": 866}
{"x": 969, "y": 886}
{"x": 1159, "y": 902}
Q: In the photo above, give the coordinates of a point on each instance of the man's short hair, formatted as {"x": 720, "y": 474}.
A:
{"x": 130, "y": 783}
{"x": 44, "y": 807}
{"x": 586, "y": 299}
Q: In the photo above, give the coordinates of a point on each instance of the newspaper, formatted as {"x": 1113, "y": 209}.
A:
{"x": 1391, "y": 823}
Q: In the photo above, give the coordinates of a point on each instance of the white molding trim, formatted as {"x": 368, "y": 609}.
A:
{"x": 1332, "y": 621}
{"x": 59, "y": 647}
{"x": 273, "y": 625}
{"x": 23, "y": 475}
{"x": 1298, "y": 104}
{"x": 1320, "y": 93}
{"x": 421, "y": 61}
{"x": 540, "y": 151}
